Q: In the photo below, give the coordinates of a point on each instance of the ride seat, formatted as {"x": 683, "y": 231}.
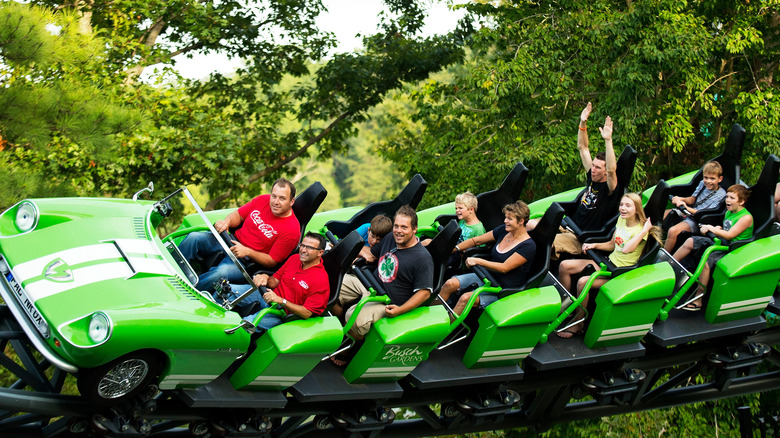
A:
{"x": 543, "y": 236}
{"x": 306, "y": 204}
{"x": 411, "y": 195}
{"x": 729, "y": 160}
{"x": 653, "y": 210}
{"x": 744, "y": 280}
{"x": 440, "y": 247}
{"x": 627, "y": 306}
{"x": 286, "y": 353}
{"x": 492, "y": 202}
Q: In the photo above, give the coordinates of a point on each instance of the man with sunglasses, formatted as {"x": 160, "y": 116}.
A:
{"x": 299, "y": 287}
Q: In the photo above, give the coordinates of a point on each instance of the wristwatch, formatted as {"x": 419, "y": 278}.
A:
{"x": 284, "y": 303}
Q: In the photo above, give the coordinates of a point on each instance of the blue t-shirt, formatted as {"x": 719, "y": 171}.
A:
{"x": 363, "y": 231}
{"x": 516, "y": 277}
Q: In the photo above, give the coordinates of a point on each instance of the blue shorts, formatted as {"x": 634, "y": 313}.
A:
{"x": 469, "y": 282}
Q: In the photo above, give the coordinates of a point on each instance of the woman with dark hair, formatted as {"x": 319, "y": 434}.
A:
{"x": 509, "y": 260}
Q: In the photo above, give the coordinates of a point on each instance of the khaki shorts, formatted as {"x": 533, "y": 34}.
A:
{"x": 565, "y": 243}
{"x": 351, "y": 290}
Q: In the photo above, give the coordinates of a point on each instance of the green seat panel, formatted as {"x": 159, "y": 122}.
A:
{"x": 288, "y": 352}
{"x": 510, "y": 328}
{"x": 627, "y": 305}
{"x": 744, "y": 280}
{"x": 394, "y": 346}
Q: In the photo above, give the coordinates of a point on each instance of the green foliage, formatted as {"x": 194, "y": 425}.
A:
{"x": 673, "y": 75}
{"x": 83, "y": 121}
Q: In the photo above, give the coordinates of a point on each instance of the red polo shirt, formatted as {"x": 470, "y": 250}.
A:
{"x": 306, "y": 287}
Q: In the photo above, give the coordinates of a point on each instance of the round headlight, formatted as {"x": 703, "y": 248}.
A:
{"x": 26, "y": 216}
{"x": 99, "y": 327}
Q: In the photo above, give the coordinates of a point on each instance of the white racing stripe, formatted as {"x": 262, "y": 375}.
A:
{"x": 507, "y": 352}
{"x": 760, "y": 306}
{"x": 72, "y": 257}
{"x": 141, "y": 256}
{"x": 81, "y": 277}
{"x": 137, "y": 246}
{"x": 279, "y": 380}
{"x": 762, "y": 300}
{"x": 173, "y": 380}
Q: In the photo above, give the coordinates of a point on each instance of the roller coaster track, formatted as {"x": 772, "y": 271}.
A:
{"x": 664, "y": 376}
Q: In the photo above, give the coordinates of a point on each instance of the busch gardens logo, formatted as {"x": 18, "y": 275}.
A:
{"x": 405, "y": 355}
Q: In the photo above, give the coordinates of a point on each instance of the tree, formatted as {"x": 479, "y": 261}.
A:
{"x": 673, "y": 74}
{"x": 229, "y": 132}
{"x": 53, "y": 113}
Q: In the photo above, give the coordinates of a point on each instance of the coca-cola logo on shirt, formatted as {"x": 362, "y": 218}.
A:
{"x": 267, "y": 230}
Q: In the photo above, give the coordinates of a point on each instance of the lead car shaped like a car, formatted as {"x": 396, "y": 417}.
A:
{"x": 100, "y": 295}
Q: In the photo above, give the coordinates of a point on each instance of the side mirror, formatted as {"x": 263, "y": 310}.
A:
{"x": 149, "y": 188}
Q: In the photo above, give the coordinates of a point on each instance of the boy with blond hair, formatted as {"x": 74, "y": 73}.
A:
{"x": 708, "y": 195}
{"x": 466, "y": 210}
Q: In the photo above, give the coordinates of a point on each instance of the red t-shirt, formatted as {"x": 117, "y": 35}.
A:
{"x": 264, "y": 232}
{"x": 306, "y": 287}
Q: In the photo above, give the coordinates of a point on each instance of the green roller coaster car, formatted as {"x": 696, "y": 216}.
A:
{"x": 100, "y": 295}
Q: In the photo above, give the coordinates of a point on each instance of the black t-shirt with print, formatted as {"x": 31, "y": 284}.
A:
{"x": 403, "y": 271}
{"x": 591, "y": 212}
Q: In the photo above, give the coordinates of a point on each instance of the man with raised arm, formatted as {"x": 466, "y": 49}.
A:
{"x": 267, "y": 233}
{"x": 599, "y": 188}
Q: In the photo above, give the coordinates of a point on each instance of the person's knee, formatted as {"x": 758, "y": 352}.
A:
{"x": 566, "y": 267}
{"x": 451, "y": 285}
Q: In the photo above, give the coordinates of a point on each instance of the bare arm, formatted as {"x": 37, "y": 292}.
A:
{"x": 418, "y": 298}
{"x": 476, "y": 241}
{"x": 514, "y": 261}
{"x": 582, "y": 138}
{"x": 735, "y": 230}
{"x": 233, "y": 220}
{"x": 240, "y": 250}
{"x": 365, "y": 252}
{"x": 632, "y": 244}
{"x": 296, "y": 309}
{"x": 602, "y": 246}
{"x": 606, "y": 133}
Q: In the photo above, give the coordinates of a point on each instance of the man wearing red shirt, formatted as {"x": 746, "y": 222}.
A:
{"x": 300, "y": 286}
{"x": 268, "y": 233}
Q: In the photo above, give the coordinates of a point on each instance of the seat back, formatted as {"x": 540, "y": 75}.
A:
{"x": 307, "y": 202}
{"x": 338, "y": 260}
{"x": 440, "y": 248}
{"x": 761, "y": 203}
{"x": 411, "y": 195}
{"x": 491, "y": 203}
{"x": 729, "y": 160}
{"x": 656, "y": 205}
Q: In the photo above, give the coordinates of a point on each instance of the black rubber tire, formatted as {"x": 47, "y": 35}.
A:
{"x": 120, "y": 379}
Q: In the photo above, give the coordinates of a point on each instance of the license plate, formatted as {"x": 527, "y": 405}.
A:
{"x": 24, "y": 301}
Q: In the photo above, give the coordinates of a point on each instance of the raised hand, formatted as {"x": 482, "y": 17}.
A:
{"x": 586, "y": 112}
{"x": 606, "y": 131}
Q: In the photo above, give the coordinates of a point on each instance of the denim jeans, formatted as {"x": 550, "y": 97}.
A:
{"x": 201, "y": 245}
{"x": 268, "y": 321}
